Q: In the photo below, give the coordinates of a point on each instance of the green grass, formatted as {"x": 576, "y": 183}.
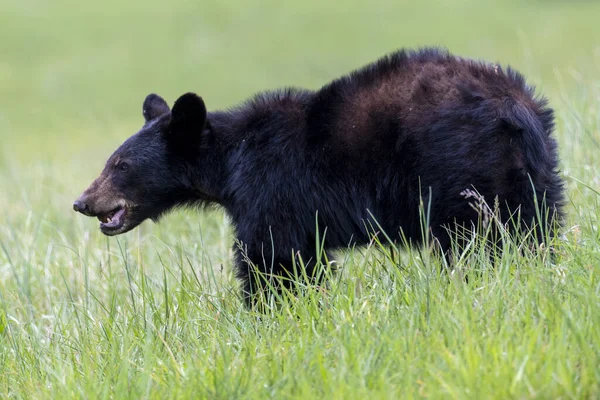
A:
{"x": 156, "y": 313}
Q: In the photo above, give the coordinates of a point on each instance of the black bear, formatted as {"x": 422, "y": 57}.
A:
{"x": 365, "y": 150}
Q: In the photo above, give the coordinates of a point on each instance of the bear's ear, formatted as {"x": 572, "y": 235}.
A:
{"x": 188, "y": 118}
{"x": 154, "y": 106}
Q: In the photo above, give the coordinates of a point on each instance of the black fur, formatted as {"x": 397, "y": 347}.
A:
{"x": 414, "y": 124}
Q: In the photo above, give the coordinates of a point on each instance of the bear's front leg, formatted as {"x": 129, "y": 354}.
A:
{"x": 265, "y": 269}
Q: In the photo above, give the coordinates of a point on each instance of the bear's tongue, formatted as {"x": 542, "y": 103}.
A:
{"x": 114, "y": 220}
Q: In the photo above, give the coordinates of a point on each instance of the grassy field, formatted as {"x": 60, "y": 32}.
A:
{"x": 156, "y": 313}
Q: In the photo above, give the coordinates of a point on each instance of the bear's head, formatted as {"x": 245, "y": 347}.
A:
{"x": 150, "y": 172}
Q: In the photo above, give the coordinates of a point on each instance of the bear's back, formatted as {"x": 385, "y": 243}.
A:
{"x": 371, "y": 109}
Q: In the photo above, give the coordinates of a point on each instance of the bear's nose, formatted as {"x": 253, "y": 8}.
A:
{"x": 81, "y": 206}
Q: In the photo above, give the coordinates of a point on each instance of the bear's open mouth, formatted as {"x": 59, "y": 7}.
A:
{"x": 112, "y": 220}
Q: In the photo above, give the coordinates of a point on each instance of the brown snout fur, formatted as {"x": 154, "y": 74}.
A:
{"x": 100, "y": 197}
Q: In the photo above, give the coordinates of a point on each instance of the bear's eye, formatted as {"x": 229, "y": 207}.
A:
{"x": 123, "y": 167}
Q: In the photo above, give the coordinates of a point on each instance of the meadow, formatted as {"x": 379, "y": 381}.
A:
{"x": 156, "y": 313}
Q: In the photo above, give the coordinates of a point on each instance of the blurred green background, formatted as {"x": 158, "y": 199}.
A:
{"x": 77, "y": 72}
